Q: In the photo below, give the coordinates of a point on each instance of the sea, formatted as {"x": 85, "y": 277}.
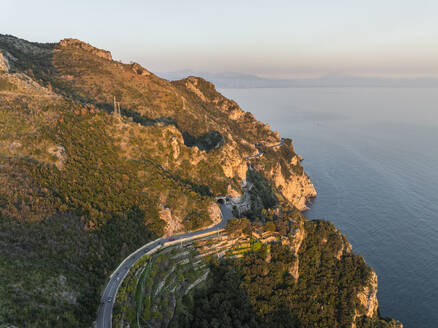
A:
{"x": 372, "y": 154}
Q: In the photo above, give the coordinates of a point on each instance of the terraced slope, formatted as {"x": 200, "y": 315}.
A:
{"x": 80, "y": 187}
{"x": 98, "y": 157}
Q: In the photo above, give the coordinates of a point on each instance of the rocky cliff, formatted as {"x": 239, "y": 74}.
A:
{"x": 368, "y": 297}
{"x": 282, "y": 166}
{"x": 305, "y": 268}
{"x": 74, "y": 43}
{"x": 323, "y": 237}
{"x": 98, "y": 157}
{"x": 192, "y": 105}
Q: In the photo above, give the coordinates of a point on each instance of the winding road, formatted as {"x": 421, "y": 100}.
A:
{"x": 104, "y": 313}
{"x": 260, "y": 153}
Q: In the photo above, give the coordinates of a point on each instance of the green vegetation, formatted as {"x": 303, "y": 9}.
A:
{"x": 223, "y": 303}
{"x": 5, "y": 85}
{"x": 281, "y": 156}
{"x": 269, "y": 226}
{"x": 52, "y": 272}
{"x": 238, "y": 226}
{"x": 207, "y": 141}
{"x": 259, "y": 292}
{"x": 262, "y": 195}
{"x": 192, "y": 118}
{"x": 36, "y": 61}
{"x": 155, "y": 285}
{"x": 81, "y": 189}
{"x": 70, "y": 227}
{"x": 110, "y": 186}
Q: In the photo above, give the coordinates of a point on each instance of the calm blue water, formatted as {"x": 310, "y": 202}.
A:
{"x": 372, "y": 154}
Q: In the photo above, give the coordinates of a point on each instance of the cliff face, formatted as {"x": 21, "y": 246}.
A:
{"x": 282, "y": 166}
{"x": 98, "y": 184}
{"x": 295, "y": 245}
{"x": 336, "y": 257}
{"x": 298, "y": 189}
{"x": 368, "y": 305}
{"x": 192, "y": 106}
{"x": 74, "y": 43}
{"x": 368, "y": 297}
{"x": 306, "y": 267}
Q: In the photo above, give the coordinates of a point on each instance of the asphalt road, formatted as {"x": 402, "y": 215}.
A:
{"x": 104, "y": 314}
{"x": 260, "y": 153}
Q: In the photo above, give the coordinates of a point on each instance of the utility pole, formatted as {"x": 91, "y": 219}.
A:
{"x": 116, "y": 108}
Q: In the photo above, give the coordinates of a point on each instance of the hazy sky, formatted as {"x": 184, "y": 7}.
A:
{"x": 268, "y": 38}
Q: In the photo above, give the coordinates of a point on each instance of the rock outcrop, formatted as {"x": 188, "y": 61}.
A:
{"x": 138, "y": 69}
{"x": 173, "y": 223}
{"x": 85, "y": 46}
{"x": 368, "y": 296}
{"x": 215, "y": 213}
{"x": 4, "y": 63}
{"x": 57, "y": 97}
{"x": 282, "y": 167}
{"x": 297, "y": 240}
{"x": 298, "y": 189}
{"x": 192, "y": 85}
{"x": 59, "y": 153}
{"x": 233, "y": 164}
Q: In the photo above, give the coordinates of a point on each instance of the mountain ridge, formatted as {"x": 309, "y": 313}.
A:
{"x": 83, "y": 185}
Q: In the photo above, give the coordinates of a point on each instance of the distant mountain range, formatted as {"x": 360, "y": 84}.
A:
{"x": 240, "y": 80}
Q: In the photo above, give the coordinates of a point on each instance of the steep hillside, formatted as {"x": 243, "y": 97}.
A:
{"x": 202, "y": 116}
{"x": 98, "y": 157}
{"x": 71, "y": 171}
{"x": 290, "y": 273}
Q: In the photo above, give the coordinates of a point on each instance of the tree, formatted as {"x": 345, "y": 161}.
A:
{"x": 238, "y": 226}
{"x": 269, "y": 226}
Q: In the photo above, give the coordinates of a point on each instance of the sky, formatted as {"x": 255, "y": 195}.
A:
{"x": 279, "y": 39}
